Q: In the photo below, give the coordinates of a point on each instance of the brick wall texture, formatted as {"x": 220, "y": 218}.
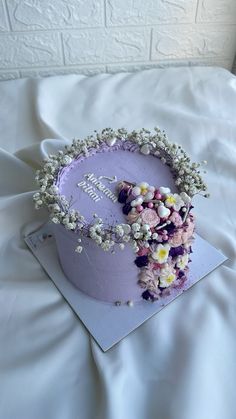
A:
{"x": 49, "y": 37}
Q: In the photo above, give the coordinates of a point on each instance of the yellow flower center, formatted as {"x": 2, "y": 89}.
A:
{"x": 162, "y": 253}
{"x": 143, "y": 190}
{"x": 170, "y": 278}
{"x": 171, "y": 200}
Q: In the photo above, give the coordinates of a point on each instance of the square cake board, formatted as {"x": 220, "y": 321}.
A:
{"x": 106, "y": 322}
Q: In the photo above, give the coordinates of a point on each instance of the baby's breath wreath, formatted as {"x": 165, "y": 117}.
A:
{"x": 187, "y": 177}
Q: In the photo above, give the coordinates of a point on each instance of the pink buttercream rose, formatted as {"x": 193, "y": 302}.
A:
{"x": 176, "y": 219}
{"x": 188, "y": 231}
{"x": 182, "y": 236}
{"x": 145, "y": 276}
{"x": 176, "y": 239}
{"x": 147, "y": 279}
{"x": 150, "y": 217}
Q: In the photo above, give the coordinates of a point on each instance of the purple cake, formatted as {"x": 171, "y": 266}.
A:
{"x": 121, "y": 207}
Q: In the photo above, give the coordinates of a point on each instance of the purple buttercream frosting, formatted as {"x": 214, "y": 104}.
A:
{"x": 102, "y": 275}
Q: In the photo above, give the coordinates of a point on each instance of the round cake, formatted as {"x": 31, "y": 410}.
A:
{"x": 121, "y": 206}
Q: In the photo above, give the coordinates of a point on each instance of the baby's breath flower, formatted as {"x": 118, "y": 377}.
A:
{"x": 55, "y": 220}
{"x": 135, "y": 226}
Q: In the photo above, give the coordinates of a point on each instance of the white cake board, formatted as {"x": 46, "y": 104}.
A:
{"x": 107, "y": 323}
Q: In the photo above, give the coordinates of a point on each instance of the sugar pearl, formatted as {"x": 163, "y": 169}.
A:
{"x": 130, "y": 303}
{"x": 139, "y": 208}
{"x": 158, "y": 195}
{"x": 150, "y": 205}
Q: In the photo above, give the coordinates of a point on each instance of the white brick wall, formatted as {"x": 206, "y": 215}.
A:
{"x": 47, "y": 37}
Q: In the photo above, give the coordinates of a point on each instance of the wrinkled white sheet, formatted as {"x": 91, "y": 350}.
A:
{"x": 181, "y": 364}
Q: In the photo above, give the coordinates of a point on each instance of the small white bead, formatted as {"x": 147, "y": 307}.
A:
{"x": 130, "y": 303}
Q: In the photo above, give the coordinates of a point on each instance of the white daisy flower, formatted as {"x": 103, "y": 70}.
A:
{"x": 167, "y": 277}
{"x": 143, "y": 192}
{"x": 161, "y": 253}
{"x": 182, "y": 261}
{"x": 175, "y": 201}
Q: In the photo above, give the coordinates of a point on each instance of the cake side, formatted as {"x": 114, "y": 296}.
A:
{"x": 106, "y": 276}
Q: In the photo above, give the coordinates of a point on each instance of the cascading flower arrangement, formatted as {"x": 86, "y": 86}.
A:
{"x": 162, "y": 225}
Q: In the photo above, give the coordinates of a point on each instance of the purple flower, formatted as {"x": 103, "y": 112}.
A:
{"x": 176, "y": 251}
{"x": 141, "y": 261}
{"x": 180, "y": 274}
{"x": 122, "y": 196}
{"x": 147, "y": 295}
{"x": 170, "y": 228}
{"x": 126, "y": 209}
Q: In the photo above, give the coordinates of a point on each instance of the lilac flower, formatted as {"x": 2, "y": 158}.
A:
{"x": 176, "y": 251}
{"x": 141, "y": 261}
{"x": 126, "y": 209}
{"x": 170, "y": 228}
{"x": 122, "y": 196}
{"x": 180, "y": 274}
{"x": 147, "y": 295}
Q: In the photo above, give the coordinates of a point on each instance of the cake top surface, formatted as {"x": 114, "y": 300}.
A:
{"x": 79, "y": 185}
{"x": 90, "y": 183}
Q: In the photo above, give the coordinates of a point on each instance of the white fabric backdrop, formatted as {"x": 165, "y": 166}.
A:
{"x": 181, "y": 364}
